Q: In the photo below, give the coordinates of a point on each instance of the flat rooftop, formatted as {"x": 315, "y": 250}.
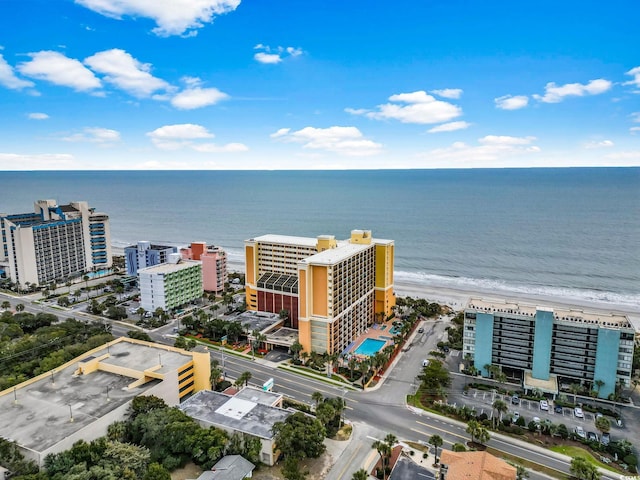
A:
{"x": 286, "y": 240}
{"x": 170, "y": 267}
{"x": 237, "y": 414}
{"x": 283, "y": 336}
{"x": 261, "y": 321}
{"x": 258, "y": 396}
{"x": 335, "y": 255}
{"x": 38, "y": 414}
{"x": 563, "y": 314}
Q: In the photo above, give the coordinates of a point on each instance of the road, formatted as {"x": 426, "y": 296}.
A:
{"x": 374, "y": 412}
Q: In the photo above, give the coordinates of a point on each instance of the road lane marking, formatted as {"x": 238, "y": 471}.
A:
{"x": 443, "y": 430}
{"x": 349, "y": 461}
{"x": 428, "y": 435}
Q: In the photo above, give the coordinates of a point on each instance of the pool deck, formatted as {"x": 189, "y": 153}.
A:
{"x": 376, "y": 332}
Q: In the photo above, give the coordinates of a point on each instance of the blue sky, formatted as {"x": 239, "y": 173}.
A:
{"x": 294, "y": 84}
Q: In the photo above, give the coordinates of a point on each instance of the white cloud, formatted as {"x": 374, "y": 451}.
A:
{"x": 94, "y": 135}
{"x": 268, "y": 58}
{"x": 186, "y": 135}
{"x": 511, "y": 102}
{"x": 635, "y": 117}
{"x": 37, "y": 116}
{"x": 47, "y": 161}
{"x": 174, "y": 17}
{"x": 448, "y": 92}
{"x": 194, "y": 96}
{"x": 635, "y": 73}
{"x": 8, "y": 77}
{"x": 449, "y": 127}
{"x": 628, "y": 155}
{"x": 414, "y": 107}
{"x": 56, "y": 68}
{"x": 505, "y": 140}
{"x": 633, "y": 130}
{"x": 126, "y": 73}
{"x": 489, "y": 148}
{"x": 601, "y": 144}
{"x": 356, "y": 111}
{"x": 213, "y": 148}
{"x": 342, "y": 140}
{"x": 554, "y": 93}
{"x": 273, "y": 55}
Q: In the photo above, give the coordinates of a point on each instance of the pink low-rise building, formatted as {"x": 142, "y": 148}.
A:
{"x": 214, "y": 264}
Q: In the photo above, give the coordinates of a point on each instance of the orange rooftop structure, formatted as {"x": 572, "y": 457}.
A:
{"x": 474, "y": 466}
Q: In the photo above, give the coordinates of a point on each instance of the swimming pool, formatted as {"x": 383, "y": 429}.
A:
{"x": 395, "y": 331}
{"x": 369, "y": 346}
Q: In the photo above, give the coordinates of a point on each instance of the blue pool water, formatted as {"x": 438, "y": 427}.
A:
{"x": 394, "y": 331}
{"x": 369, "y": 347}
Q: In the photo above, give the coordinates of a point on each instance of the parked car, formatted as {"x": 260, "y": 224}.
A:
{"x": 579, "y": 432}
{"x": 516, "y": 416}
{"x": 536, "y": 420}
{"x": 544, "y": 405}
{"x": 578, "y": 413}
{"x": 605, "y": 439}
{"x": 557, "y": 409}
{"x": 515, "y": 400}
{"x": 619, "y": 422}
{"x": 421, "y": 330}
{"x": 592, "y": 436}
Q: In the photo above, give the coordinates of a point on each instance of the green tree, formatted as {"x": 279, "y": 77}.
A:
{"x": 500, "y": 407}
{"x": 361, "y": 474}
{"x": 295, "y": 350}
{"x": 216, "y": 375}
{"x": 384, "y": 451}
{"x": 6, "y": 305}
{"x": 138, "y": 335}
{"x": 144, "y": 404}
{"x": 434, "y": 378}
{"x": 207, "y": 446}
{"x": 521, "y": 472}
{"x": 317, "y": 398}
{"x": 603, "y": 424}
{"x": 300, "y": 436}
{"x": 155, "y": 471}
{"x": 291, "y": 469}
{"x": 583, "y": 469}
{"x": 598, "y": 384}
{"x": 19, "y": 307}
{"x": 436, "y": 441}
{"x": 243, "y": 379}
{"x": 575, "y": 389}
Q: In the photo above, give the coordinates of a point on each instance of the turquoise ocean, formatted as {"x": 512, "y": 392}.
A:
{"x": 571, "y": 232}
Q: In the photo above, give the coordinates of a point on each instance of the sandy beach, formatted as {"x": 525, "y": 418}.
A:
{"x": 458, "y": 298}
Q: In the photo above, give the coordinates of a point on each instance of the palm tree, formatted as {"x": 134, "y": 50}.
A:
{"x": 19, "y": 307}
{"x": 352, "y": 364}
{"x": 216, "y": 374}
{"x": 304, "y": 356}
{"x": 500, "y": 406}
{"x": 603, "y": 424}
{"x": 243, "y": 379}
{"x": 6, "y": 305}
{"x": 317, "y": 398}
{"x": 331, "y": 360}
{"x": 363, "y": 367}
{"x": 86, "y": 281}
{"x": 295, "y": 349}
{"x": 575, "y": 389}
{"x": 384, "y": 451}
{"x": 472, "y": 429}
{"x": 436, "y": 441}
{"x": 598, "y": 384}
{"x": 521, "y": 472}
{"x": 361, "y": 474}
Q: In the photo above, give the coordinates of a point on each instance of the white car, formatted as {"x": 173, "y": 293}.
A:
{"x": 516, "y": 416}
{"x": 578, "y": 413}
{"x": 544, "y": 405}
{"x": 580, "y": 432}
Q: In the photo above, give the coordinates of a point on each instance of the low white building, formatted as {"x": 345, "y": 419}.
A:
{"x": 250, "y": 411}
{"x": 170, "y": 285}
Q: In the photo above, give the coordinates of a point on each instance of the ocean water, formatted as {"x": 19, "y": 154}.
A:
{"x": 561, "y": 232}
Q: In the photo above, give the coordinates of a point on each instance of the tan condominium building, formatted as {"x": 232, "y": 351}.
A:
{"x": 54, "y": 243}
{"x": 332, "y": 290}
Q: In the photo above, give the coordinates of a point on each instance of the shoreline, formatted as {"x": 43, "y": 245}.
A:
{"x": 457, "y": 298}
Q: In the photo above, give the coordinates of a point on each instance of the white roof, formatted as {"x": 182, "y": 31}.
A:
{"x": 170, "y": 267}
{"x": 286, "y": 240}
{"x": 236, "y": 408}
{"x": 335, "y": 255}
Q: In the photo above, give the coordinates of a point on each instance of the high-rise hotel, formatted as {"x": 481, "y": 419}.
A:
{"x": 333, "y": 290}
{"x": 54, "y": 243}
{"x": 550, "y": 348}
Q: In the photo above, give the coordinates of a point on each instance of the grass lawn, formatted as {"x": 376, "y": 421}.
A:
{"x": 574, "y": 452}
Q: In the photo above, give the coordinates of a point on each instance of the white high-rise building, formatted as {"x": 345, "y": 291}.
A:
{"x": 54, "y": 243}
